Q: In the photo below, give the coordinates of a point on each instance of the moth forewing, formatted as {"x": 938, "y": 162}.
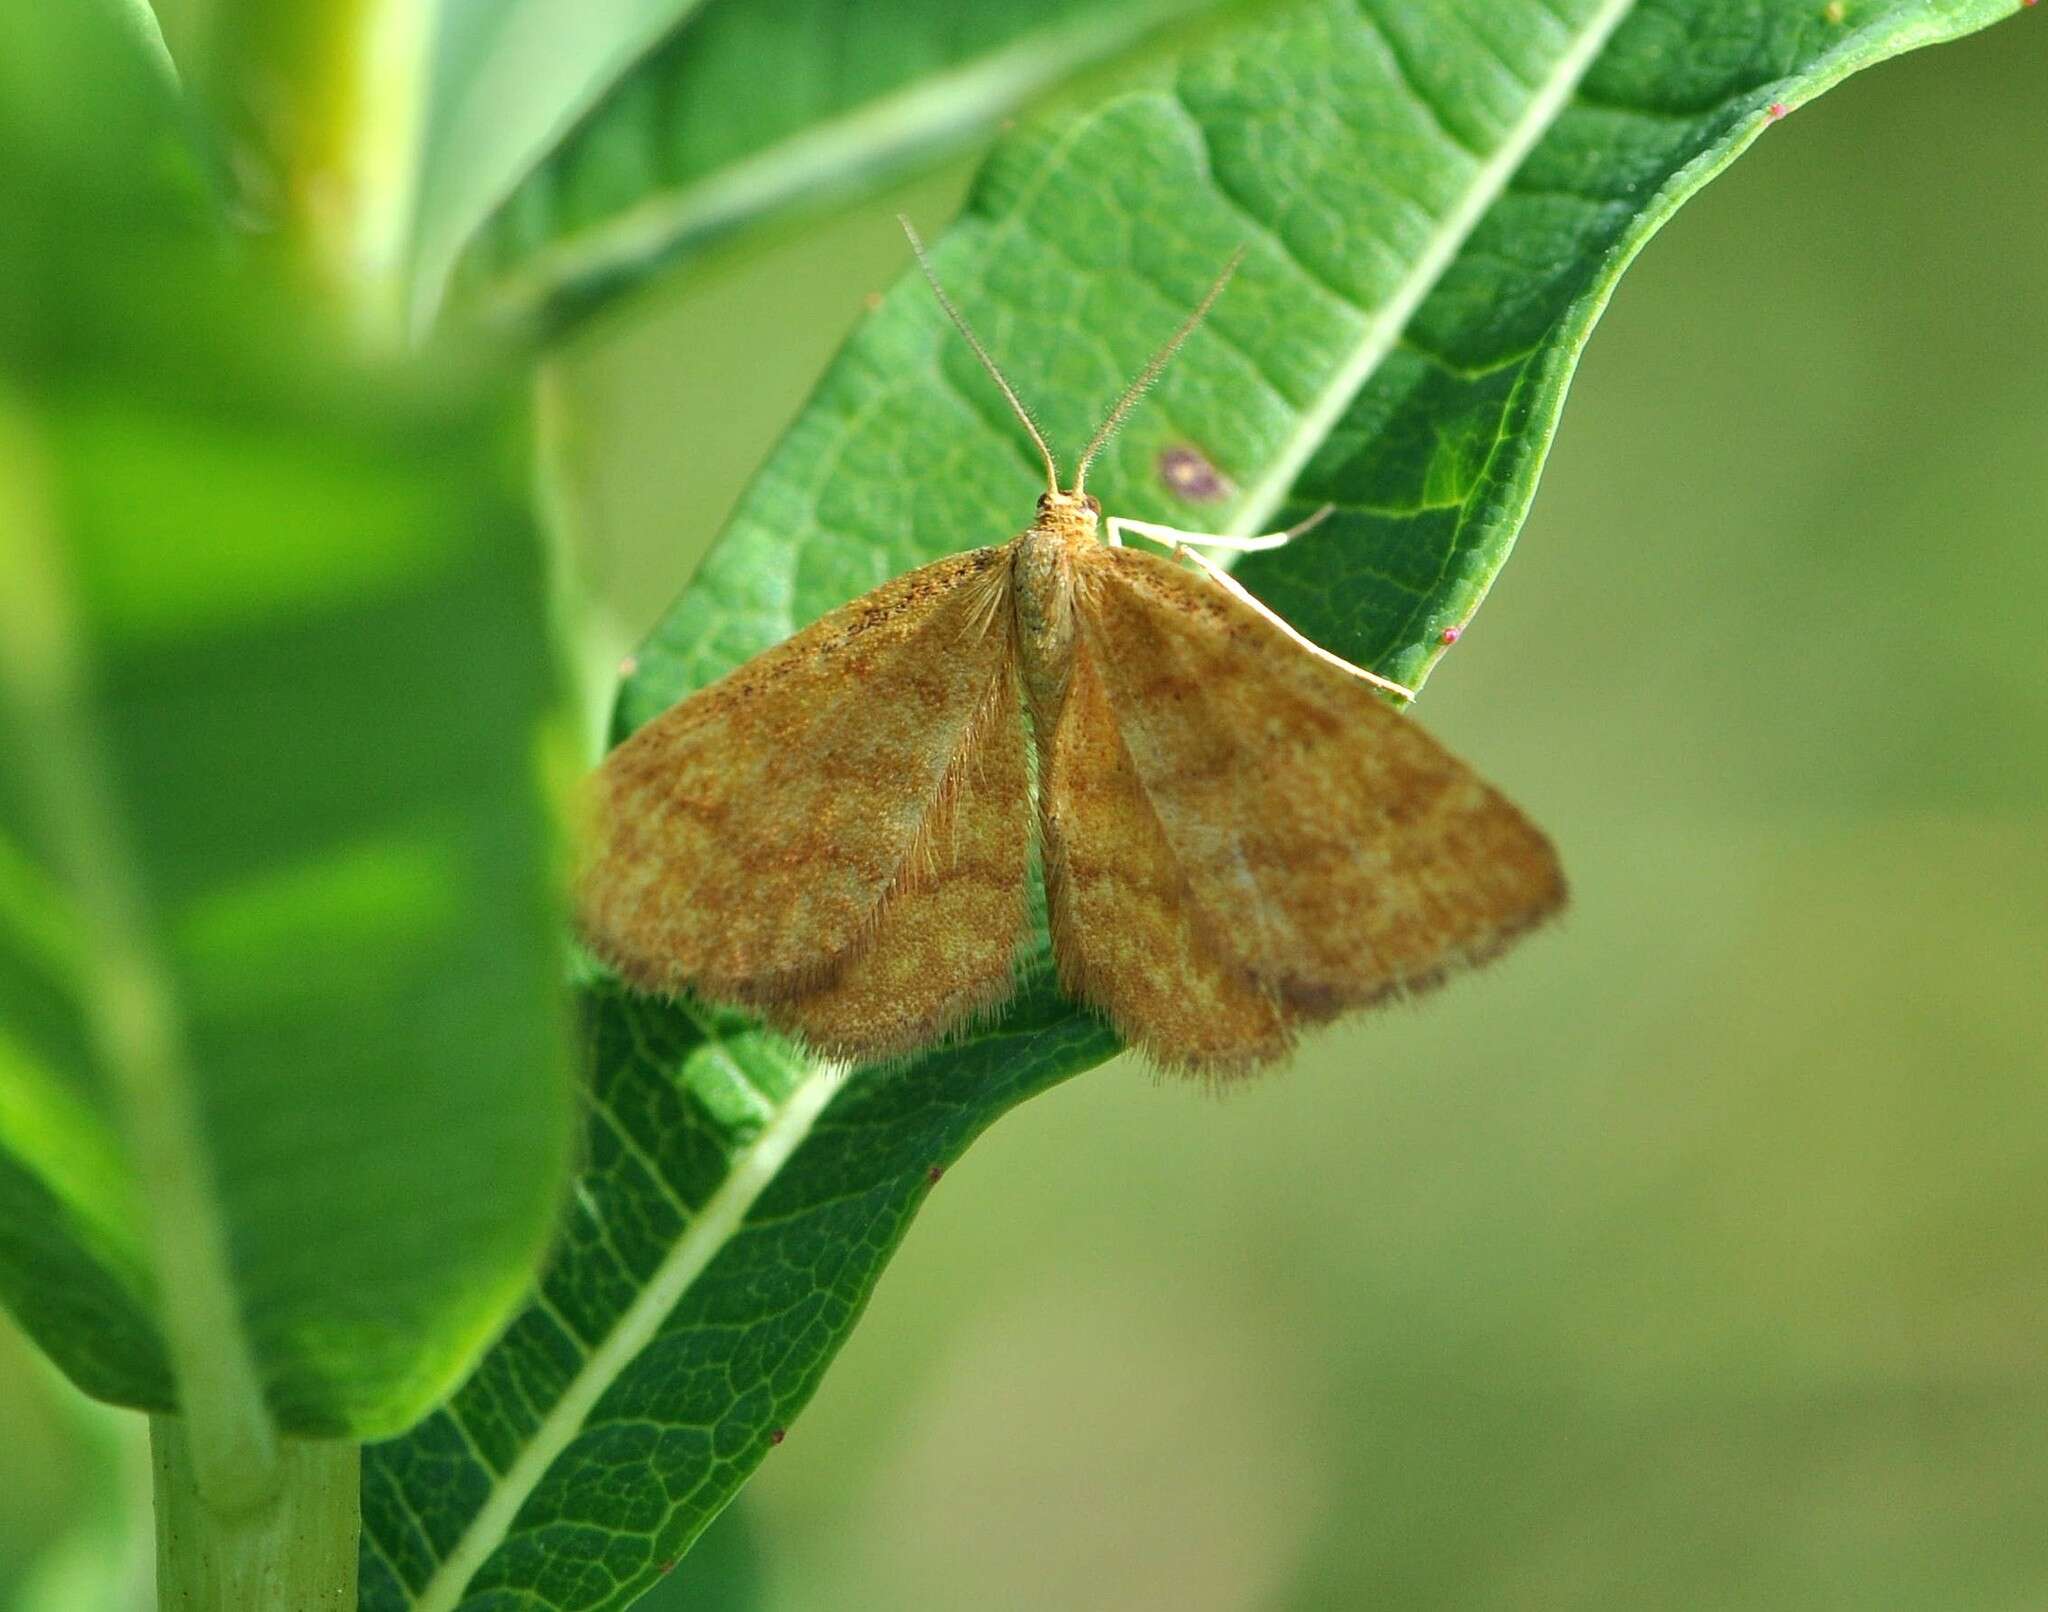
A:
{"x": 942, "y": 946}
{"x": 1348, "y": 854}
{"x": 747, "y": 840}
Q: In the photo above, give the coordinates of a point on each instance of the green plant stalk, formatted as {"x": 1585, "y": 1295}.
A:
{"x": 295, "y": 1552}
{"x": 322, "y": 103}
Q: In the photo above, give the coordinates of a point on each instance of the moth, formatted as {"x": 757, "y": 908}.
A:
{"x": 1239, "y": 836}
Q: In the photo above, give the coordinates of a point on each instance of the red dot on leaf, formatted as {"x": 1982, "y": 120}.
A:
{"x": 932, "y": 1175}
{"x": 1451, "y": 635}
{"x": 666, "y": 1568}
{"x": 777, "y": 1434}
{"x": 1778, "y": 110}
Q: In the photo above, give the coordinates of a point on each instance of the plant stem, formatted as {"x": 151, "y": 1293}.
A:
{"x": 323, "y": 103}
{"x": 295, "y": 1551}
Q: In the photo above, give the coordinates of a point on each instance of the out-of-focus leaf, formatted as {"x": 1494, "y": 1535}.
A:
{"x": 510, "y": 78}
{"x": 281, "y": 1063}
{"x": 1435, "y": 204}
{"x": 702, "y": 139}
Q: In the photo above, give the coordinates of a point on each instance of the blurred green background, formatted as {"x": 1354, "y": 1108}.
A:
{"x": 1698, "y": 1255}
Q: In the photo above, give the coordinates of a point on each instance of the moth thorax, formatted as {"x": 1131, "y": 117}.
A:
{"x": 1042, "y": 591}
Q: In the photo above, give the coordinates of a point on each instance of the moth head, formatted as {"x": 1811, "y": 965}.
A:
{"x": 1071, "y": 506}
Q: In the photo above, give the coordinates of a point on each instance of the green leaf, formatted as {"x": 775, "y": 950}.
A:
{"x": 283, "y": 1106}
{"x": 510, "y": 78}
{"x": 1435, "y": 210}
{"x": 699, "y": 141}
{"x": 726, "y": 1571}
{"x": 1434, "y": 463}
{"x": 734, "y": 1209}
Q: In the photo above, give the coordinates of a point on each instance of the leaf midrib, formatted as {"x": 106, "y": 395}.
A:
{"x": 435, "y": 253}
{"x": 753, "y": 1170}
{"x": 1385, "y": 324}
{"x": 806, "y": 162}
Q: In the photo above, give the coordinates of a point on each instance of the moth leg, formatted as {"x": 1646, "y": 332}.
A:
{"x": 1244, "y": 595}
{"x": 1183, "y": 546}
{"x": 1117, "y": 525}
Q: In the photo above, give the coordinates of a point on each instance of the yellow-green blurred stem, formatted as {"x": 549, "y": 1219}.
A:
{"x": 293, "y": 1551}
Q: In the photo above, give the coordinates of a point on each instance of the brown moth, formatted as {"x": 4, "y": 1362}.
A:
{"x": 1239, "y": 836}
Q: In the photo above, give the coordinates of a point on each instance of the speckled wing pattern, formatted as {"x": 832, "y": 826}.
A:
{"x": 1123, "y": 932}
{"x": 943, "y": 947}
{"x": 836, "y": 835}
{"x": 1291, "y": 848}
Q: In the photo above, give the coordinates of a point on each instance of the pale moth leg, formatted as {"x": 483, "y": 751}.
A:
{"x": 1117, "y": 525}
{"x": 1182, "y": 544}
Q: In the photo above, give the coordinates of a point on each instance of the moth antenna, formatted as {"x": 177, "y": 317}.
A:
{"x": 1152, "y": 371}
{"x": 1052, "y": 469}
